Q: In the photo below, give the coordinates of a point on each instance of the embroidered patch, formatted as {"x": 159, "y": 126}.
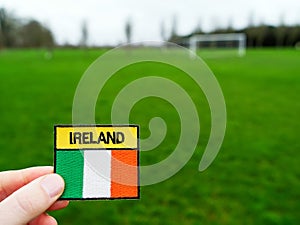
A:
{"x": 98, "y": 161}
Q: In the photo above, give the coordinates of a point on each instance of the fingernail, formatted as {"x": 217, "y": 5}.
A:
{"x": 53, "y": 184}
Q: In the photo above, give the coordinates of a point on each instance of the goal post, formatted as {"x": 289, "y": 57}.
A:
{"x": 240, "y": 38}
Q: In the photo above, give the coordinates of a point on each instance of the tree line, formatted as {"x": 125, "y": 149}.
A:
{"x": 15, "y": 33}
{"x": 271, "y": 36}
{"x": 257, "y": 36}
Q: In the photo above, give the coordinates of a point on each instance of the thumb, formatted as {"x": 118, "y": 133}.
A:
{"x": 31, "y": 200}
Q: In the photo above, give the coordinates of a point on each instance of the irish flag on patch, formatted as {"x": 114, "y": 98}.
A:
{"x": 98, "y": 161}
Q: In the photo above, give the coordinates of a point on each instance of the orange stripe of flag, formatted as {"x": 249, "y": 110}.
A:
{"x": 124, "y": 173}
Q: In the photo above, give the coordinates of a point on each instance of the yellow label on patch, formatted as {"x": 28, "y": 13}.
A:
{"x": 95, "y": 137}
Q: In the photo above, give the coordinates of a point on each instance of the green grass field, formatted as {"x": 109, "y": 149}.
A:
{"x": 254, "y": 180}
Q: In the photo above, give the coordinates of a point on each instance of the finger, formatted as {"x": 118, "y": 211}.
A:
{"x": 43, "y": 219}
{"x": 10, "y": 181}
{"x": 31, "y": 200}
{"x": 58, "y": 205}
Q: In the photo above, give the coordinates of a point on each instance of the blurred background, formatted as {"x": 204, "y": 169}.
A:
{"x": 45, "y": 47}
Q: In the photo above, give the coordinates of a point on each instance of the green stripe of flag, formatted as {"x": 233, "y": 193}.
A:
{"x": 69, "y": 164}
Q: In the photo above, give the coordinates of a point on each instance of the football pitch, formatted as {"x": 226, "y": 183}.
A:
{"x": 255, "y": 179}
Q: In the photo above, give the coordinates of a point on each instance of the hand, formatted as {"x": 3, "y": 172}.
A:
{"x": 25, "y": 196}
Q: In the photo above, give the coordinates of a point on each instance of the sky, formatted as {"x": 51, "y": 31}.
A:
{"x": 106, "y": 19}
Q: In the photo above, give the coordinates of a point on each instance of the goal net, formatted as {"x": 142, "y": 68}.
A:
{"x": 236, "y": 41}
